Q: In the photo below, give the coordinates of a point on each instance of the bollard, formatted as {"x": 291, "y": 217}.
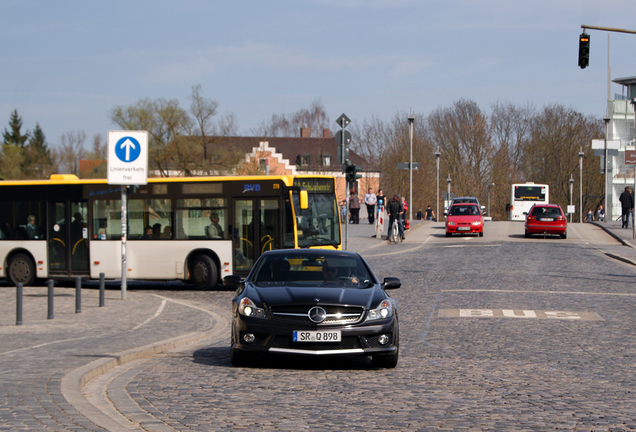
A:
{"x": 49, "y": 284}
{"x": 18, "y": 304}
{"x": 78, "y": 295}
{"x": 102, "y": 288}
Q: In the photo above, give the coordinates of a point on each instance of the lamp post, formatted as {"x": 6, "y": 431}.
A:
{"x": 448, "y": 180}
{"x": 581, "y": 154}
{"x": 437, "y": 155}
{"x": 571, "y": 189}
{"x": 411, "y": 120}
{"x": 633, "y": 102}
{"x": 490, "y": 186}
{"x": 606, "y": 119}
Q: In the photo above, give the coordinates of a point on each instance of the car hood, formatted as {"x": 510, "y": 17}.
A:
{"x": 341, "y": 294}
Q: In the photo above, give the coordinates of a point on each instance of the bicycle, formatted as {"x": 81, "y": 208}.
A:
{"x": 395, "y": 232}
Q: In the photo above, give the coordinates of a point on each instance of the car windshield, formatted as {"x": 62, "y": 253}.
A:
{"x": 546, "y": 212}
{"x": 464, "y": 210}
{"x": 309, "y": 269}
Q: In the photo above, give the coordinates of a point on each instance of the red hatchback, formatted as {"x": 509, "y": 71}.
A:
{"x": 464, "y": 219}
{"x": 546, "y": 219}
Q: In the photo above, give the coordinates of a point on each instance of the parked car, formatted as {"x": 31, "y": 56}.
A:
{"x": 464, "y": 219}
{"x": 546, "y": 219}
{"x": 314, "y": 302}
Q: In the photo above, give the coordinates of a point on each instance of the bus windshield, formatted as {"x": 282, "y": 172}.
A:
{"x": 318, "y": 225}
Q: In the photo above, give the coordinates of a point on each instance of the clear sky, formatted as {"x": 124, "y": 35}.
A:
{"x": 66, "y": 64}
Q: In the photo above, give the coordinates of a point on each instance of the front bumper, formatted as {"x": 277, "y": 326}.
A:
{"x": 361, "y": 339}
{"x": 464, "y": 229}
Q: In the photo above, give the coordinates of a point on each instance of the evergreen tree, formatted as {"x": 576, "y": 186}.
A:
{"x": 37, "y": 161}
{"x": 14, "y": 136}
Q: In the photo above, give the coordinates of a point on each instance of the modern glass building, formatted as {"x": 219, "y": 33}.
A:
{"x": 621, "y": 127}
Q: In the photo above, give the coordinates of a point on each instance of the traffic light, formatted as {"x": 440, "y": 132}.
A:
{"x": 352, "y": 172}
{"x": 584, "y": 50}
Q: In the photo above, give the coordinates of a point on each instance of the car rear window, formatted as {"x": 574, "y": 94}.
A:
{"x": 551, "y": 212}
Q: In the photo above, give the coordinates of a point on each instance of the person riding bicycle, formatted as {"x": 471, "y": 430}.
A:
{"x": 395, "y": 209}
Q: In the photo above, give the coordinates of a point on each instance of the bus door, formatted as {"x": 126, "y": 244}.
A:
{"x": 257, "y": 228}
{"x": 68, "y": 238}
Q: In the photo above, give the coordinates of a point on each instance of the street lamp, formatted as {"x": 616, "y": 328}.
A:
{"x": 437, "y": 155}
{"x": 411, "y": 120}
{"x": 448, "y": 180}
{"x": 571, "y": 188}
{"x": 490, "y": 186}
{"x": 581, "y": 154}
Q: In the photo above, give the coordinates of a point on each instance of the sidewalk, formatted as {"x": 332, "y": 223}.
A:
{"x": 45, "y": 363}
{"x": 627, "y": 253}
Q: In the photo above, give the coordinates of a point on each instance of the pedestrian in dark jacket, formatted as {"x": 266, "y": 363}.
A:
{"x": 627, "y": 205}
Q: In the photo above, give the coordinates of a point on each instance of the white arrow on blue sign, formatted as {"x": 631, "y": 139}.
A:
{"x": 127, "y": 157}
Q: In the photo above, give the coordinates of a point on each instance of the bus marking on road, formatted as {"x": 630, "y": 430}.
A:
{"x": 519, "y": 313}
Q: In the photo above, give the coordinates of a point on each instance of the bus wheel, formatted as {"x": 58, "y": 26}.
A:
{"x": 204, "y": 273}
{"x": 21, "y": 270}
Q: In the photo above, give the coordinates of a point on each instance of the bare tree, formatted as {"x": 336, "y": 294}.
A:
{"x": 202, "y": 111}
{"x": 165, "y": 121}
{"x": 557, "y": 135}
{"x": 314, "y": 118}
{"x": 71, "y": 151}
{"x": 462, "y": 134}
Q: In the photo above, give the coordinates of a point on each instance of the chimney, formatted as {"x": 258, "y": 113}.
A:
{"x": 326, "y": 133}
{"x": 305, "y": 132}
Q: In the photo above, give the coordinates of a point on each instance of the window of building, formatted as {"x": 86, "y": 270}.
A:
{"x": 326, "y": 161}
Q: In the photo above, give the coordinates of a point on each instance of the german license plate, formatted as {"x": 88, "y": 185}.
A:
{"x": 463, "y": 229}
{"x": 546, "y": 219}
{"x": 316, "y": 336}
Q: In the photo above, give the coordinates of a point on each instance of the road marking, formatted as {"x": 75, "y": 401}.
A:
{"x": 543, "y": 292}
{"x": 159, "y": 310}
{"x": 514, "y": 313}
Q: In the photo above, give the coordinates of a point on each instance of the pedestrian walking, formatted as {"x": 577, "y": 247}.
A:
{"x": 627, "y": 205}
{"x": 370, "y": 200}
{"x": 430, "y": 214}
{"x": 600, "y": 214}
{"x": 354, "y": 206}
{"x": 589, "y": 217}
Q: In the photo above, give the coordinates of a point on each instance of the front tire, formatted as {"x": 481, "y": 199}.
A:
{"x": 21, "y": 270}
{"x": 204, "y": 273}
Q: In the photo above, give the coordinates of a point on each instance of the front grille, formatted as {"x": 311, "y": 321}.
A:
{"x": 299, "y": 314}
{"x": 347, "y": 342}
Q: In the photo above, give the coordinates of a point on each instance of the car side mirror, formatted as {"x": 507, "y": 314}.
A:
{"x": 232, "y": 281}
{"x": 391, "y": 283}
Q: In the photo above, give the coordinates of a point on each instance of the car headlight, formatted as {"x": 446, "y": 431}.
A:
{"x": 477, "y": 223}
{"x": 450, "y": 223}
{"x": 248, "y": 308}
{"x": 384, "y": 310}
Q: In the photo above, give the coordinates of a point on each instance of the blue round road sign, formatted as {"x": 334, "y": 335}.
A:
{"x": 127, "y": 149}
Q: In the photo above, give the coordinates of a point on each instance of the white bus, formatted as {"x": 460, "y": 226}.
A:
{"x": 525, "y": 195}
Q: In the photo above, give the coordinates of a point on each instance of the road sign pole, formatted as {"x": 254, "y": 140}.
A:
{"x": 124, "y": 217}
{"x": 344, "y": 159}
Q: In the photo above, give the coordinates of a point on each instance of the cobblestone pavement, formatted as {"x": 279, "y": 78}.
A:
{"x": 473, "y": 369}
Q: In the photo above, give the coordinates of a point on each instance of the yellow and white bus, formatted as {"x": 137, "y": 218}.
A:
{"x": 196, "y": 229}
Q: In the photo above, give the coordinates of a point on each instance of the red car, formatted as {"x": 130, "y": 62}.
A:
{"x": 546, "y": 219}
{"x": 464, "y": 218}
